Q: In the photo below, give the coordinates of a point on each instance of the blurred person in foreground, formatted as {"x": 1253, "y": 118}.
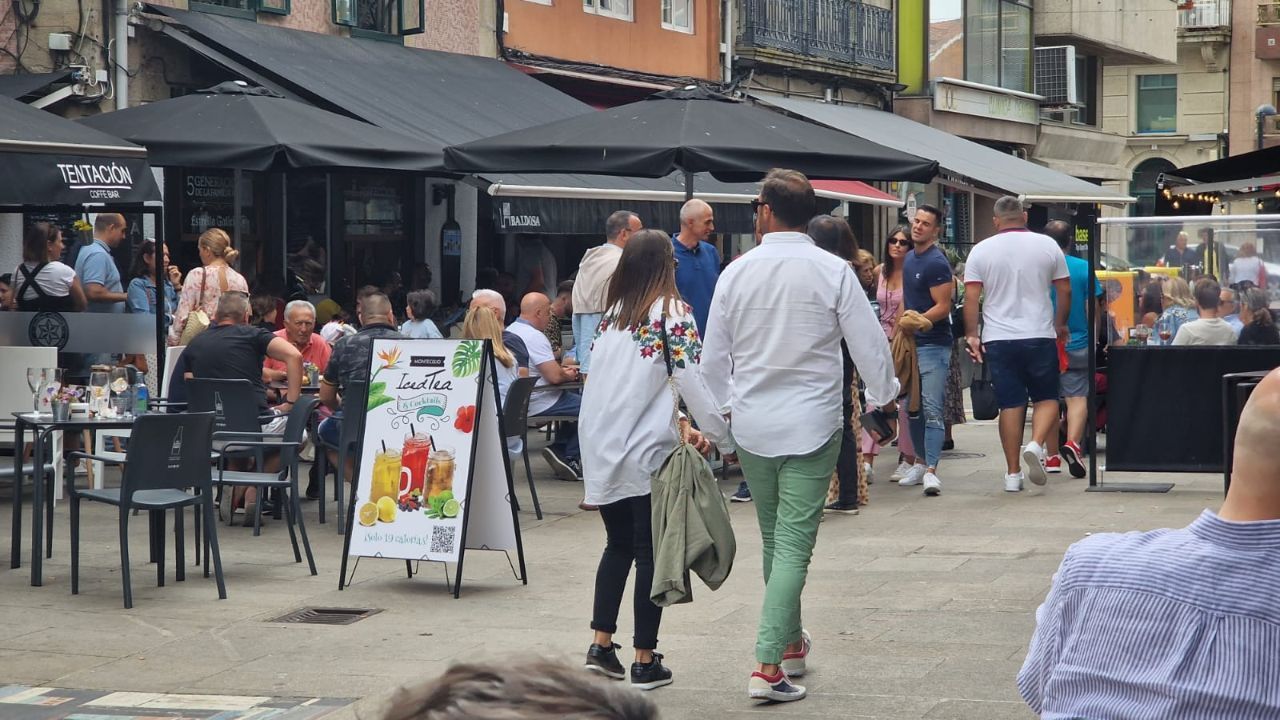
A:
{"x": 1173, "y": 623}
{"x": 542, "y": 690}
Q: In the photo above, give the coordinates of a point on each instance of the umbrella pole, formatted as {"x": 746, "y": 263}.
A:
{"x": 235, "y": 210}
{"x": 688, "y": 186}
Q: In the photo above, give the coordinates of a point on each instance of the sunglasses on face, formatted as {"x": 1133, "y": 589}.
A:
{"x": 900, "y": 242}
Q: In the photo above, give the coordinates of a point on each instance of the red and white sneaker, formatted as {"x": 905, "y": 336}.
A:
{"x": 793, "y": 663}
{"x": 1053, "y": 465}
{"x": 1075, "y": 459}
{"x": 777, "y": 688}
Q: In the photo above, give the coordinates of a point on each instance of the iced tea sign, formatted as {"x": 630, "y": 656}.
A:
{"x": 434, "y": 478}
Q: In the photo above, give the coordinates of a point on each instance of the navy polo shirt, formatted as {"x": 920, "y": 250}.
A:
{"x": 696, "y": 275}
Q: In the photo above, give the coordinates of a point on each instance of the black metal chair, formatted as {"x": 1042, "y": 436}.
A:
{"x": 515, "y": 419}
{"x": 285, "y": 480}
{"x": 348, "y": 442}
{"x": 235, "y": 405}
{"x": 168, "y": 455}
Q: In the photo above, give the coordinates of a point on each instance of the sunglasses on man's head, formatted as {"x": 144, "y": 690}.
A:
{"x": 756, "y": 203}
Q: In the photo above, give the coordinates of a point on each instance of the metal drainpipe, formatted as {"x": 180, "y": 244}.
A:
{"x": 729, "y": 36}
{"x": 121, "y": 59}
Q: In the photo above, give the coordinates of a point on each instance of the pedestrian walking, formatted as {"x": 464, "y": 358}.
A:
{"x": 779, "y": 374}
{"x": 647, "y": 335}
{"x": 594, "y": 273}
{"x": 928, "y": 288}
{"x": 205, "y": 284}
{"x": 1012, "y": 272}
{"x": 889, "y": 304}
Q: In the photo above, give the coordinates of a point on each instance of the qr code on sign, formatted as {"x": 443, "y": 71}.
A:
{"x": 442, "y": 539}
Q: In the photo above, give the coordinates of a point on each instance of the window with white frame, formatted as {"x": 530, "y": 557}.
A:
{"x": 677, "y": 15}
{"x": 620, "y": 9}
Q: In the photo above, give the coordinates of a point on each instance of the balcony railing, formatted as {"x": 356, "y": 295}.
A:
{"x": 841, "y": 30}
{"x": 1202, "y": 14}
{"x": 1269, "y": 12}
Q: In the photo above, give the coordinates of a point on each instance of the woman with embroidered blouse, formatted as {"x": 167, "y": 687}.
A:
{"x": 628, "y": 426}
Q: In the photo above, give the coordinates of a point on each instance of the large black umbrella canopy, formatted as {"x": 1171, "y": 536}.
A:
{"x": 687, "y": 130}
{"x": 1259, "y": 163}
{"x": 46, "y": 160}
{"x": 241, "y": 127}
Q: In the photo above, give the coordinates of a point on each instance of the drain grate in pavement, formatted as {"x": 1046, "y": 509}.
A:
{"x": 326, "y": 616}
{"x": 954, "y": 455}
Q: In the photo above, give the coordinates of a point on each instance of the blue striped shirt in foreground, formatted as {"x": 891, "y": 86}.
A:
{"x": 1168, "y": 624}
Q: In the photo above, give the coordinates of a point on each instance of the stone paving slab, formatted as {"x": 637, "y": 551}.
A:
{"x": 18, "y": 702}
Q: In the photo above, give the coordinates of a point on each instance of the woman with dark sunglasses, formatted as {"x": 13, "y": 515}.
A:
{"x": 889, "y": 298}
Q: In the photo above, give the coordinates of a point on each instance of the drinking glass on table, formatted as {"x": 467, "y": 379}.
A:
{"x": 120, "y": 400}
{"x": 98, "y": 382}
{"x": 35, "y": 381}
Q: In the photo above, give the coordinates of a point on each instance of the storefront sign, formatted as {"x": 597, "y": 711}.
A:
{"x": 38, "y": 179}
{"x": 966, "y": 100}
{"x": 508, "y": 220}
{"x": 208, "y": 201}
{"x": 434, "y": 479}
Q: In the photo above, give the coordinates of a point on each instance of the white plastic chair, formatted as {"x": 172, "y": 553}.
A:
{"x": 100, "y": 445}
{"x": 15, "y": 396}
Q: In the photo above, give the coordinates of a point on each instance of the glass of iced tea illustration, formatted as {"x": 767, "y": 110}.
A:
{"x": 440, "y": 472}
{"x": 417, "y": 450}
{"x": 386, "y": 475}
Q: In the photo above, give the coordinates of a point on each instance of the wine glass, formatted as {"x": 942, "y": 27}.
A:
{"x": 52, "y": 384}
{"x": 119, "y": 386}
{"x": 35, "y": 381}
{"x": 98, "y": 381}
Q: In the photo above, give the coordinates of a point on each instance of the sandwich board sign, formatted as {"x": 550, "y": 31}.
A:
{"x": 433, "y": 479}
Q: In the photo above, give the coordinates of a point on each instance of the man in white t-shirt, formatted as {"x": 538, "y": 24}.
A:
{"x": 1013, "y": 271}
{"x": 531, "y": 326}
{"x": 1209, "y": 329}
{"x": 592, "y": 285}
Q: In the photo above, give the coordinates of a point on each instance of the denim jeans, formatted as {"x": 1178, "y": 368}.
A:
{"x": 584, "y": 333}
{"x": 929, "y": 429}
{"x": 567, "y": 436}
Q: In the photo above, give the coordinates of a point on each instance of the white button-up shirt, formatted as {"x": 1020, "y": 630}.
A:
{"x": 771, "y": 355}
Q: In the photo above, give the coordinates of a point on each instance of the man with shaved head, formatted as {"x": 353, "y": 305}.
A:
{"x": 697, "y": 260}
{"x": 1173, "y": 623}
{"x": 530, "y": 327}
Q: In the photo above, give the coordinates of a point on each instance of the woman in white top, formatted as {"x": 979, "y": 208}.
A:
{"x": 628, "y": 428}
{"x": 1248, "y": 267}
{"x": 205, "y": 284}
{"x": 42, "y": 282}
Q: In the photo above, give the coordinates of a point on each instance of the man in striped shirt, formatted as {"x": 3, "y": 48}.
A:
{"x": 1173, "y": 623}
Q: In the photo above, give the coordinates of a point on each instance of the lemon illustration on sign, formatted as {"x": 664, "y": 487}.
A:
{"x": 386, "y": 509}
{"x": 368, "y": 514}
{"x": 451, "y": 508}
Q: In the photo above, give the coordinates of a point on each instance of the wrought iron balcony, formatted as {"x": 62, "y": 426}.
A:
{"x": 1204, "y": 14}
{"x": 850, "y": 31}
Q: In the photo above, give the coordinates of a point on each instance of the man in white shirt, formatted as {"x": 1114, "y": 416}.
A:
{"x": 772, "y": 361}
{"x": 1013, "y": 271}
{"x": 592, "y": 283}
{"x": 1210, "y": 329}
{"x": 531, "y": 326}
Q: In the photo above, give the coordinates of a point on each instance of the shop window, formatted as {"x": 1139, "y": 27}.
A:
{"x": 620, "y": 9}
{"x": 1157, "y": 103}
{"x": 242, "y": 8}
{"x": 677, "y": 15}
{"x": 998, "y": 43}
{"x": 381, "y": 17}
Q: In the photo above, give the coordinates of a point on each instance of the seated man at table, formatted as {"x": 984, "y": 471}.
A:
{"x": 1210, "y": 329}
{"x": 531, "y": 326}
{"x": 350, "y": 363}
{"x": 299, "y": 331}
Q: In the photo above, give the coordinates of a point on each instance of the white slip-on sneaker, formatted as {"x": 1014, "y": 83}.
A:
{"x": 932, "y": 485}
{"x": 901, "y": 471}
{"x": 914, "y": 476}
{"x": 1013, "y": 482}
{"x": 794, "y": 664}
{"x": 778, "y": 688}
{"x": 1033, "y": 463}
{"x": 869, "y": 471}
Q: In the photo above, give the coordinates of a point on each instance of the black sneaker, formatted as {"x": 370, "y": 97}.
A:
{"x": 842, "y": 508}
{"x": 313, "y": 483}
{"x": 650, "y": 675}
{"x": 604, "y": 660}
{"x": 742, "y": 495}
{"x": 564, "y": 469}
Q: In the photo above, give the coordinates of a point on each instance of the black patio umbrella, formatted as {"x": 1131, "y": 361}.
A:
{"x": 47, "y": 161}
{"x": 688, "y": 130}
{"x": 241, "y": 127}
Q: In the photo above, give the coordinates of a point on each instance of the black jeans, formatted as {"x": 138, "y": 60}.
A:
{"x": 847, "y": 462}
{"x": 628, "y": 528}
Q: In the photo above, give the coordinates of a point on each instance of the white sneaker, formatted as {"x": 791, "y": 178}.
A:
{"x": 1013, "y": 482}
{"x": 869, "y": 472}
{"x": 914, "y": 476}
{"x": 901, "y": 472}
{"x": 932, "y": 485}
{"x": 1033, "y": 457}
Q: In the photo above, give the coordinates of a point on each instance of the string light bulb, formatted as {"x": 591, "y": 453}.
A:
{"x": 1176, "y": 205}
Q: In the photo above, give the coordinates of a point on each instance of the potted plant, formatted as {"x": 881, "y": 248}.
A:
{"x": 83, "y": 229}
{"x": 61, "y": 402}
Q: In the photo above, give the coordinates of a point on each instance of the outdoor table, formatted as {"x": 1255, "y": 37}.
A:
{"x": 574, "y": 385}
{"x": 42, "y": 426}
{"x": 306, "y": 389}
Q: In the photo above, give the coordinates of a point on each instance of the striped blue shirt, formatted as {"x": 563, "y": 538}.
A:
{"x": 1166, "y": 624}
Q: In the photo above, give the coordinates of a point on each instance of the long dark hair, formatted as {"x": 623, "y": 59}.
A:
{"x": 886, "y": 267}
{"x": 139, "y": 266}
{"x": 646, "y": 273}
{"x": 1152, "y": 300}
{"x": 36, "y": 242}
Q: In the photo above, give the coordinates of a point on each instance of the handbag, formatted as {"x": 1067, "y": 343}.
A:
{"x": 982, "y": 396}
{"x": 197, "y": 319}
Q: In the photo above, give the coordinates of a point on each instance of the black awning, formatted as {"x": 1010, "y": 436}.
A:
{"x": 47, "y": 160}
{"x": 1257, "y": 164}
{"x": 20, "y": 86}
{"x": 578, "y": 216}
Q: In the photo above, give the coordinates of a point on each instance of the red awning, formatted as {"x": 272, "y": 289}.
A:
{"x": 854, "y": 191}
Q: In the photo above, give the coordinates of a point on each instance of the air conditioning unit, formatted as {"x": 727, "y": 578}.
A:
{"x": 1055, "y": 75}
